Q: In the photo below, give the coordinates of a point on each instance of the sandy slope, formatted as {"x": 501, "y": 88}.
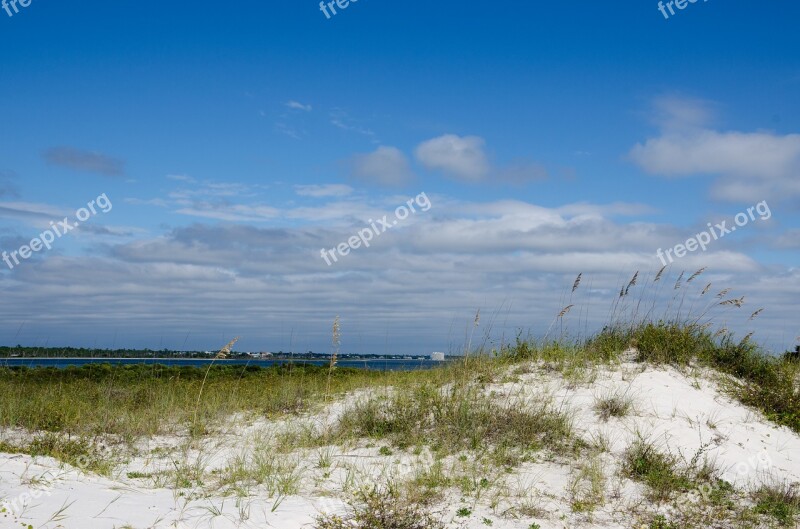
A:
{"x": 682, "y": 413}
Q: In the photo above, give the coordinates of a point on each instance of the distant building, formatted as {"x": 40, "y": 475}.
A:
{"x": 437, "y": 357}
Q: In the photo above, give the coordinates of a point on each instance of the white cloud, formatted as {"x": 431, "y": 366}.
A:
{"x": 230, "y": 212}
{"x": 256, "y": 281}
{"x": 386, "y": 166}
{"x": 294, "y": 105}
{"x": 749, "y": 165}
{"x": 34, "y": 214}
{"x": 462, "y": 158}
{"x": 323, "y": 190}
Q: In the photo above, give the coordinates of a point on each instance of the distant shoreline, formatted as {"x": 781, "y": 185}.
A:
{"x": 377, "y": 364}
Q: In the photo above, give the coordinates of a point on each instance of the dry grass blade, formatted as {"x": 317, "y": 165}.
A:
{"x": 335, "y": 341}
{"x": 577, "y": 282}
{"x": 225, "y": 351}
{"x": 705, "y": 290}
{"x": 678, "y": 282}
{"x": 565, "y": 311}
{"x": 695, "y": 275}
{"x": 723, "y": 293}
{"x": 756, "y": 313}
{"x": 632, "y": 282}
{"x": 659, "y": 274}
{"x": 737, "y": 302}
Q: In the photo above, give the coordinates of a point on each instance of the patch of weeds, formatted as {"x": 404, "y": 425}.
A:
{"x": 464, "y": 512}
{"x": 782, "y": 502}
{"x": 588, "y": 487}
{"x": 659, "y": 522}
{"x": 428, "y": 484}
{"x": 613, "y": 405}
{"x": 139, "y": 475}
{"x": 381, "y": 510}
{"x": 460, "y": 418}
{"x": 80, "y": 453}
{"x": 659, "y": 471}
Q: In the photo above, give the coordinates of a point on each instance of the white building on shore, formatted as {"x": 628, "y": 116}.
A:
{"x": 437, "y": 356}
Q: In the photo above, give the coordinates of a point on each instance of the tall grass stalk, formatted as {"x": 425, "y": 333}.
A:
{"x": 223, "y": 353}
{"x": 335, "y": 342}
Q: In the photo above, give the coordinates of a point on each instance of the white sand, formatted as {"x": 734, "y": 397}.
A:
{"x": 679, "y": 413}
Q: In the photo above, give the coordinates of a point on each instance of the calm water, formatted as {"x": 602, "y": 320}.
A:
{"x": 374, "y": 364}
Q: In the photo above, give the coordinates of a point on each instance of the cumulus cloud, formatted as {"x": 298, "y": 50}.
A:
{"x": 462, "y": 158}
{"x": 254, "y": 278}
{"x": 386, "y": 166}
{"x": 86, "y": 161}
{"x": 763, "y": 165}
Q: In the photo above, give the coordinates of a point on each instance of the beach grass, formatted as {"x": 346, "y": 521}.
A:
{"x": 472, "y": 434}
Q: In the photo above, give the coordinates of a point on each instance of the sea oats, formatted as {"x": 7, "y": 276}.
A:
{"x": 225, "y": 351}
{"x": 632, "y": 282}
{"x": 695, "y": 275}
{"x": 738, "y": 302}
{"x": 577, "y": 282}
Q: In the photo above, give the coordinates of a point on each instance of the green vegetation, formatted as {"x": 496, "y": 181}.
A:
{"x": 613, "y": 405}
{"x": 781, "y": 502}
{"x": 451, "y": 420}
{"x": 455, "y": 414}
{"x": 132, "y": 401}
{"x": 659, "y": 471}
{"x": 381, "y": 510}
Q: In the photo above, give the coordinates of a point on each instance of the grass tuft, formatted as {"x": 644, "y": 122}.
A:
{"x": 381, "y": 510}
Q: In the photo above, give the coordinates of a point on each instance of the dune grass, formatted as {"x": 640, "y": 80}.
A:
{"x": 451, "y": 419}
{"x": 378, "y": 509}
{"x": 132, "y": 401}
{"x": 448, "y": 411}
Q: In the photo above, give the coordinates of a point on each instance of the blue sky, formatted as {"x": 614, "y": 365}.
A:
{"x": 237, "y": 141}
